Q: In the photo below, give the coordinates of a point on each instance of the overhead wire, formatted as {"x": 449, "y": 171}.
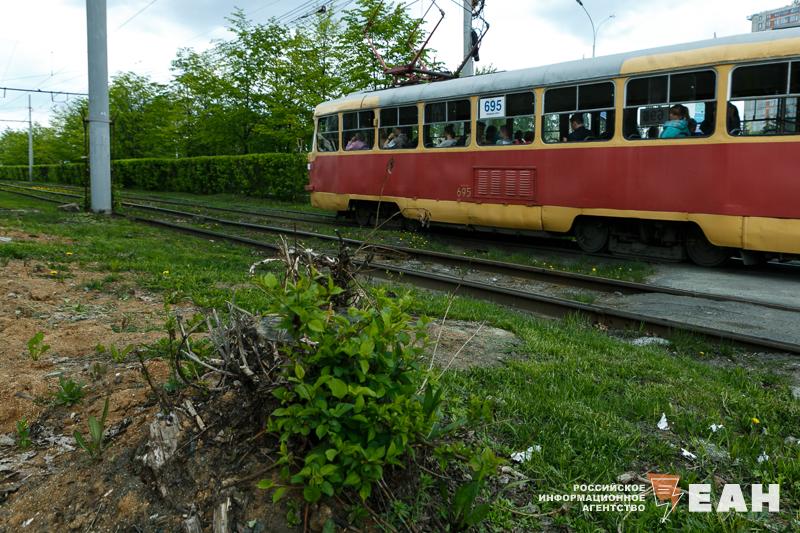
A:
{"x": 137, "y": 14}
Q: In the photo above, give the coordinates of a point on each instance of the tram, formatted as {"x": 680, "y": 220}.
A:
{"x": 687, "y": 151}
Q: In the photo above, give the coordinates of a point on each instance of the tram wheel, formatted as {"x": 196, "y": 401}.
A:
{"x": 363, "y": 214}
{"x": 591, "y": 234}
{"x": 702, "y": 252}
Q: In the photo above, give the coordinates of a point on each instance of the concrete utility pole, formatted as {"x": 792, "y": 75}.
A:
{"x": 30, "y": 140}
{"x": 99, "y": 138}
{"x": 469, "y": 68}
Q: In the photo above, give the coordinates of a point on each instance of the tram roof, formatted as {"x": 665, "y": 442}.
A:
{"x": 750, "y": 46}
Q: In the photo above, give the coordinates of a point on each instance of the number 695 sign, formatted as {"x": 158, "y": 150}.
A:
{"x": 492, "y": 107}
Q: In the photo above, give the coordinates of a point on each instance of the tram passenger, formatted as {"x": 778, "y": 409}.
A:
{"x": 527, "y": 138}
{"x": 518, "y": 137}
{"x": 481, "y": 133}
{"x": 505, "y": 136}
{"x": 397, "y": 139}
{"x": 734, "y": 122}
{"x": 579, "y": 131}
{"x": 491, "y": 135}
{"x": 449, "y": 137}
{"x": 356, "y": 143}
{"x": 678, "y": 124}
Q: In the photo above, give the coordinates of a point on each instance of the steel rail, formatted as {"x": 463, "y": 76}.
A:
{"x": 527, "y": 301}
{"x": 528, "y": 272}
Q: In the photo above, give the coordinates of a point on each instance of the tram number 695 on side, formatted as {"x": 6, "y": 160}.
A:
{"x": 464, "y": 192}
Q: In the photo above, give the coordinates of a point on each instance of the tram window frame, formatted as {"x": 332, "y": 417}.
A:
{"x": 329, "y": 136}
{"x": 515, "y": 121}
{"x": 456, "y": 113}
{"x": 779, "y": 110}
{"x": 655, "y": 110}
{"x": 355, "y": 123}
{"x": 557, "y": 115}
{"x": 408, "y": 128}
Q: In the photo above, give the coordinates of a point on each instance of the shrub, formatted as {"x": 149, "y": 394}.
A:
{"x": 37, "y": 347}
{"x": 280, "y": 176}
{"x": 69, "y": 392}
{"x": 23, "y": 434}
{"x": 351, "y": 398}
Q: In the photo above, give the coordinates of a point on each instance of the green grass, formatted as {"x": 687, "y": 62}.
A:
{"x": 589, "y": 400}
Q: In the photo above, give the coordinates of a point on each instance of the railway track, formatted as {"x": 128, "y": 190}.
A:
{"x": 536, "y": 302}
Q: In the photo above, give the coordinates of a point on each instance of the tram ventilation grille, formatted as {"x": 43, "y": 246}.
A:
{"x": 505, "y": 183}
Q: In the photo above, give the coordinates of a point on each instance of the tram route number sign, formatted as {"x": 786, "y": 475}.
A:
{"x": 493, "y": 107}
{"x": 653, "y": 116}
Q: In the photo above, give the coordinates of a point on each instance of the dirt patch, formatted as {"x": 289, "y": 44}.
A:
{"x": 464, "y": 345}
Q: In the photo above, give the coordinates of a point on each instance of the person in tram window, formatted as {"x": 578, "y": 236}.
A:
{"x": 579, "y": 131}
{"x": 734, "y": 122}
{"x": 527, "y": 138}
{"x": 518, "y": 137}
{"x": 678, "y": 124}
{"x": 505, "y": 136}
{"x": 397, "y": 139}
{"x": 356, "y": 143}
{"x": 491, "y": 135}
{"x": 481, "y": 130}
{"x": 449, "y": 137}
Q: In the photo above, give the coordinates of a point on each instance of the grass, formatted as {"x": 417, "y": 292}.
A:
{"x": 589, "y": 400}
{"x": 621, "y": 269}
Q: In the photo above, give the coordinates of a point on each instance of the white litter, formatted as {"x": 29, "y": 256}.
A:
{"x": 663, "y": 425}
{"x": 650, "y": 341}
{"x": 763, "y": 458}
{"x": 521, "y": 457}
{"x": 714, "y": 427}
{"x": 6, "y": 239}
{"x": 686, "y": 453}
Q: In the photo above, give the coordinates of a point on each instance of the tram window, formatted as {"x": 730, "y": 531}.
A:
{"x": 506, "y": 120}
{"x": 447, "y": 124}
{"x": 399, "y": 128}
{"x": 328, "y": 134}
{"x": 358, "y": 130}
{"x": 579, "y": 113}
{"x": 764, "y": 100}
{"x": 672, "y": 106}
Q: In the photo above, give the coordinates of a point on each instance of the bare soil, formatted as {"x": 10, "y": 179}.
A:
{"x": 53, "y": 486}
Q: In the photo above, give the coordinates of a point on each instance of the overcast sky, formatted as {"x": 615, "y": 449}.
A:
{"x": 43, "y": 42}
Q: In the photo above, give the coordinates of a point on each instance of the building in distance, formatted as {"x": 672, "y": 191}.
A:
{"x": 777, "y": 19}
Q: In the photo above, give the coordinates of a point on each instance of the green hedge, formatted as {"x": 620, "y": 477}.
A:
{"x": 267, "y": 175}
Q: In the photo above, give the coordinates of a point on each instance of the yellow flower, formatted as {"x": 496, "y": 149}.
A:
{"x": 165, "y": 273}
{"x": 702, "y": 353}
{"x": 53, "y": 272}
{"x": 755, "y": 420}
{"x": 69, "y": 253}
{"x": 594, "y": 269}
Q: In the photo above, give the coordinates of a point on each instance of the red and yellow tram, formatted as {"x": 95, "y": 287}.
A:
{"x": 587, "y": 148}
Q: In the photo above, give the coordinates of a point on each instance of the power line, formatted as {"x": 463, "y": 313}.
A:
{"x": 137, "y": 14}
{"x": 40, "y": 91}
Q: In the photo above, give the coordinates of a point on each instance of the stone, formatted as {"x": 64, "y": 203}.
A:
{"x": 319, "y": 516}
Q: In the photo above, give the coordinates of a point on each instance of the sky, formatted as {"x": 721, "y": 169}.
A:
{"x": 43, "y": 42}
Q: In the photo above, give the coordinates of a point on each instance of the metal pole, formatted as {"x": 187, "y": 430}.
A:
{"x": 30, "y": 140}
{"x": 469, "y": 68}
{"x": 594, "y": 32}
{"x": 99, "y": 139}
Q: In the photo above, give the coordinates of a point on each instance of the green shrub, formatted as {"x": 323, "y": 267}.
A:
{"x": 351, "y": 399}
{"x": 69, "y": 392}
{"x": 95, "y": 444}
{"x": 280, "y": 176}
{"x": 23, "y": 434}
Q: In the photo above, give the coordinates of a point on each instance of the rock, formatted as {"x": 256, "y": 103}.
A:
{"x": 7, "y": 440}
{"x": 70, "y": 208}
{"x": 628, "y": 478}
{"x": 319, "y": 515}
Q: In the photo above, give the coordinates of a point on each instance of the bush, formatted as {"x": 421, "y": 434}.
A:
{"x": 351, "y": 402}
{"x": 281, "y": 176}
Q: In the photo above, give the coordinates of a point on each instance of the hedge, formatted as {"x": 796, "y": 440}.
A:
{"x": 280, "y": 176}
